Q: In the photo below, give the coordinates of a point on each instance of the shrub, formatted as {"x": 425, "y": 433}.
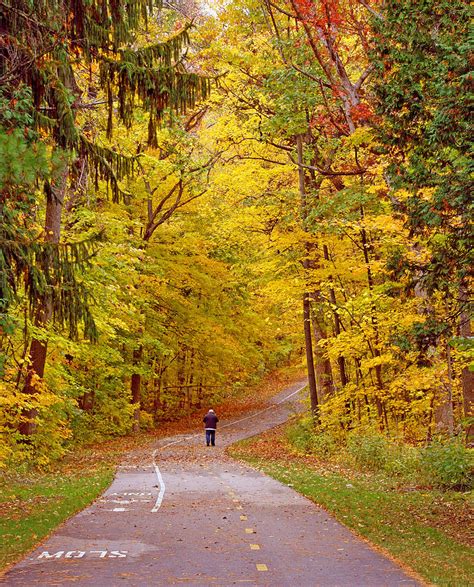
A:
{"x": 444, "y": 465}
{"x": 306, "y": 438}
{"x": 323, "y": 445}
{"x": 403, "y": 461}
{"x": 448, "y": 465}
{"x": 300, "y": 434}
{"x": 146, "y": 421}
{"x": 368, "y": 451}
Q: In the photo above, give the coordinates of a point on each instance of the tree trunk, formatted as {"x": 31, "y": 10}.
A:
{"x": 323, "y": 370}
{"x": 157, "y": 382}
{"x": 448, "y": 392}
{"x": 467, "y": 376}
{"x": 181, "y": 376}
{"x": 38, "y": 348}
{"x": 366, "y": 246}
{"x": 86, "y": 403}
{"x": 341, "y": 361}
{"x": 313, "y": 393}
{"x": 190, "y": 379}
{"x": 199, "y": 395}
{"x": 135, "y": 387}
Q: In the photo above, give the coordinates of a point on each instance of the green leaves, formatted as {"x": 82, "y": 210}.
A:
{"x": 422, "y": 56}
{"x": 21, "y": 163}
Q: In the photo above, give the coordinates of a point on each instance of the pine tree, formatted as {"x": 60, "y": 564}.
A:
{"x": 44, "y": 46}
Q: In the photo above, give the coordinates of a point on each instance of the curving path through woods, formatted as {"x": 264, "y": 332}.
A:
{"x": 189, "y": 515}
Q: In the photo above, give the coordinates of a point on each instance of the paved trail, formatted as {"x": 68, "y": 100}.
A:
{"x": 188, "y": 515}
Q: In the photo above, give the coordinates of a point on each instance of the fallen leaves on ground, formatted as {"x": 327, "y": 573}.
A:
{"x": 454, "y": 517}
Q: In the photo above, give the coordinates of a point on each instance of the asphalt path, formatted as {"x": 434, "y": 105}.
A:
{"x": 186, "y": 514}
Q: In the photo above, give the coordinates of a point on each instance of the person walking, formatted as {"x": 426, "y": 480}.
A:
{"x": 210, "y": 421}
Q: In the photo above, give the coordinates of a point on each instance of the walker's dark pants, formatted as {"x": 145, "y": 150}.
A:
{"x": 211, "y": 437}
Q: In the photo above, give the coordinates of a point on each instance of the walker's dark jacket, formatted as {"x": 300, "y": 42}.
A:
{"x": 210, "y": 420}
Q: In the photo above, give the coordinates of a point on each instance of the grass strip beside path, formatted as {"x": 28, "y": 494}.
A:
{"x": 425, "y": 530}
{"x": 35, "y": 504}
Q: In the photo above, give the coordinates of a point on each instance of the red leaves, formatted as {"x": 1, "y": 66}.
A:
{"x": 361, "y": 113}
{"x": 446, "y": 205}
{"x": 324, "y": 14}
{"x": 332, "y": 123}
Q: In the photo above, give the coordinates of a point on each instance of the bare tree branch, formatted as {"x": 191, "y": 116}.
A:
{"x": 365, "y": 74}
{"x": 370, "y": 9}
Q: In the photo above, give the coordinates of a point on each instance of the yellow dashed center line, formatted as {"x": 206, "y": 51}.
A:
{"x": 243, "y": 518}
{"x": 262, "y": 567}
{"x": 254, "y": 547}
{"x": 249, "y": 531}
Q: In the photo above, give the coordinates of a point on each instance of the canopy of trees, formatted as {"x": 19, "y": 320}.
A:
{"x": 191, "y": 197}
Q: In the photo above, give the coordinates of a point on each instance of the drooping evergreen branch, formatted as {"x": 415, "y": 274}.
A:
{"x": 39, "y": 43}
{"x": 165, "y": 52}
{"x": 48, "y": 270}
{"x": 109, "y": 166}
{"x": 156, "y": 90}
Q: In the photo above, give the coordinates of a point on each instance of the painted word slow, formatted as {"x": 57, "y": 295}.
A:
{"x": 83, "y": 554}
